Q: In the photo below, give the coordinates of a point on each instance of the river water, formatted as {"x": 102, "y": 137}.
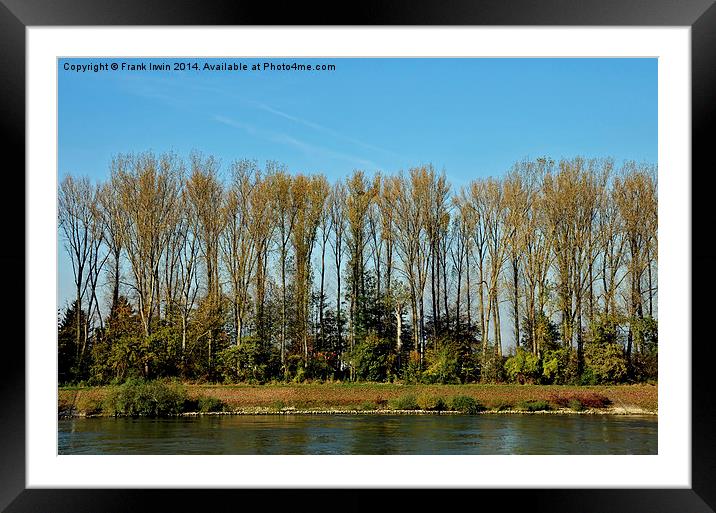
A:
{"x": 362, "y": 434}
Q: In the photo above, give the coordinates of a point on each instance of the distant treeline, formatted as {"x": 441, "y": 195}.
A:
{"x": 269, "y": 275}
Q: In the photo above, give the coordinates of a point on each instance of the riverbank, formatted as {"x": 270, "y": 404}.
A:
{"x": 384, "y": 398}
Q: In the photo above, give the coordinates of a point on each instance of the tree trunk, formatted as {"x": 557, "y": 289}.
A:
{"x": 416, "y": 322}
{"x": 468, "y": 291}
{"x": 422, "y": 331}
{"x": 651, "y": 289}
{"x": 498, "y": 327}
{"x": 339, "y": 322}
{"x": 580, "y": 346}
{"x": 515, "y": 304}
{"x": 457, "y": 295}
{"x": 483, "y": 320}
{"x": 320, "y": 297}
{"x": 399, "y": 330}
{"x": 433, "y": 297}
{"x": 445, "y": 290}
{"x": 78, "y": 323}
{"x": 115, "y": 285}
{"x": 239, "y": 328}
{"x": 283, "y": 306}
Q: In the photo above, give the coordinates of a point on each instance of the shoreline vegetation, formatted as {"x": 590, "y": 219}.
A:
{"x": 170, "y": 398}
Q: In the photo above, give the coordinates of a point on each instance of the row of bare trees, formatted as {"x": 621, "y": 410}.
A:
{"x": 275, "y": 256}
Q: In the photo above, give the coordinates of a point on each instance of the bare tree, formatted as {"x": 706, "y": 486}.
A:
{"x": 187, "y": 284}
{"x": 148, "y": 192}
{"x": 337, "y": 207}
{"x": 385, "y": 203}
{"x": 281, "y": 183}
{"x": 112, "y": 216}
{"x": 516, "y": 203}
{"x": 82, "y": 227}
{"x": 360, "y": 195}
{"x": 410, "y": 202}
{"x": 325, "y": 224}
{"x": 459, "y": 253}
{"x": 635, "y": 196}
{"x": 494, "y": 215}
{"x": 536, "y": 244}
{"x": 238, "y": 240}
{"x": 569, "y": 242}
{"x": 309, "y": 198}
{"x": 437, "y": 220}
{"x": 572, "y": 198}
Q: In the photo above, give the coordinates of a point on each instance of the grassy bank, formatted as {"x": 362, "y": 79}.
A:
{"x": 365, "y": 397}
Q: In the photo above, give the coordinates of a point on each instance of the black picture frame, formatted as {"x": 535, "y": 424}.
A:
{"x": 16, "y": 15}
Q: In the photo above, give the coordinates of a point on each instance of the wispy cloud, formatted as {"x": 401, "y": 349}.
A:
{"x": 325, "y": 130}
{"x": 170, "y": 93}
{"x": 288, "y": 140}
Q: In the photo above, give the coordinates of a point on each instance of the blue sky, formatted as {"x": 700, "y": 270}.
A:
{"x": 470, "y": 117}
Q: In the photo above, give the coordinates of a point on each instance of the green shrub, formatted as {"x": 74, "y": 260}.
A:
{"x": 211, "y": 404}
{"x": 546, "y": 332}
{"x": 442, "y": 362}
{"x": 322, "y": 366}
{"x": 587, "y": 378}
{"x": 607, "y": 362}
{"x": 645, "y": 367}
{"x": 534, "y": 406}
{"x": 523, "y": 367}
{"x": 93, "y": 406}
{"x": 411, "y": 369}
{"x": 559, "y": 366}
{"x": 300, "y": 374}
{"x": 432, "y": 403}
{"x": 466, "y": 404}
{"x": 575, "y": 404}
{"x": 405, "y": 402}
{"x": 491, "y": 366}
{"x": 146, "y": 398}
{"x": 253, "y": 361}
{"x": 370, "y": 358}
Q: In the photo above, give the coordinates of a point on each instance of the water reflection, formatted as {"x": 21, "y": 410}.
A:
{"x": 362, "y": 434}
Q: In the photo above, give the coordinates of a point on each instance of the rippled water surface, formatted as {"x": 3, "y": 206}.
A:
{"x": 362, "y": 434}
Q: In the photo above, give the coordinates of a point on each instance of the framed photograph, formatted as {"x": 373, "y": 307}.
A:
{"x": 510, "y": 167}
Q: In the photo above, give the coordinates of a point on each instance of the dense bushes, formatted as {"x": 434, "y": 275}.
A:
{"x": 523, "y": 367}
{"x": 453, "y": 356}
{"x": 466, "y": 404}
{"x": 251, "y": 362}
{"x": 442, "y": 364}
{"x": 431, "y": 403}
{"x": 210, "y": 404}
{"x": 412, "y": 372}
{"x": 370, "y": 358}
{"x": 558, "y": 366}
{"x": 606, "y": 363}
{"x": 146, "y": 398}
{"x": 159, "y": 398}
{"x": 539, "y": 405}
{"x": 406, "y": 402}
